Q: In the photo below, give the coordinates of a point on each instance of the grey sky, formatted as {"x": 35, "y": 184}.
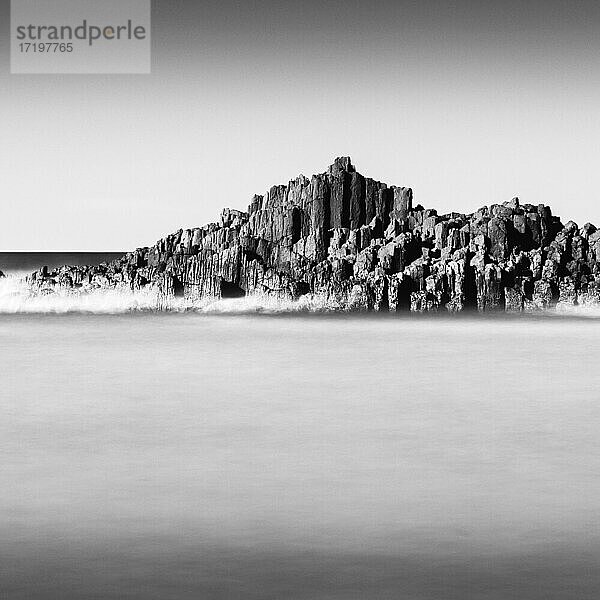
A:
{"x": 469, "y": 103}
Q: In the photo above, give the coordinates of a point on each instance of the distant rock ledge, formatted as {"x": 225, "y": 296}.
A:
{"x": 361, "y": 244}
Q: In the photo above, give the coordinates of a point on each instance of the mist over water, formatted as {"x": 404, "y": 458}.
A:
{"x": 18, "y": 297}
{"x": 195, "y": 456}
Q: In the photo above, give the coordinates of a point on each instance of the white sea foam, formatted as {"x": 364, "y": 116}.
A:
{"x": 17, "y": 296}
{"x": 591, "y": 311}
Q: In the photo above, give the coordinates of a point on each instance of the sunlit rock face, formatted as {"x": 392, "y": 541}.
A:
{"x": 364, "y": 245}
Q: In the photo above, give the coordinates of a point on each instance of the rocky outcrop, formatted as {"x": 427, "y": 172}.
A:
{"x": 362, "y": 244}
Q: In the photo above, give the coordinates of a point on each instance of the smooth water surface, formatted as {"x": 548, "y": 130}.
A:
{"x": 222, "y": 457}
{"x": 25, "y": 263}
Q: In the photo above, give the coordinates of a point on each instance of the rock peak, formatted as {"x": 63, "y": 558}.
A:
{"x": 360, "y": 244}
{"x": 342, "y": 164}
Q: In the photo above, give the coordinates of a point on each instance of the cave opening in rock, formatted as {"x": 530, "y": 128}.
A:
{"x": 231, "y": 290}
{"x": 178, "y": 288}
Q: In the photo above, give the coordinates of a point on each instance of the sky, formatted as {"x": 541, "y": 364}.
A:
{"x": 468, "y": 102}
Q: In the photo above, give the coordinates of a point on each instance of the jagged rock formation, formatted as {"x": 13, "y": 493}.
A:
{"x": 362, "y": 244}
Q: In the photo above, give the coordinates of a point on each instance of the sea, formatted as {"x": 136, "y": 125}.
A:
{"x": 254, "y": 452}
